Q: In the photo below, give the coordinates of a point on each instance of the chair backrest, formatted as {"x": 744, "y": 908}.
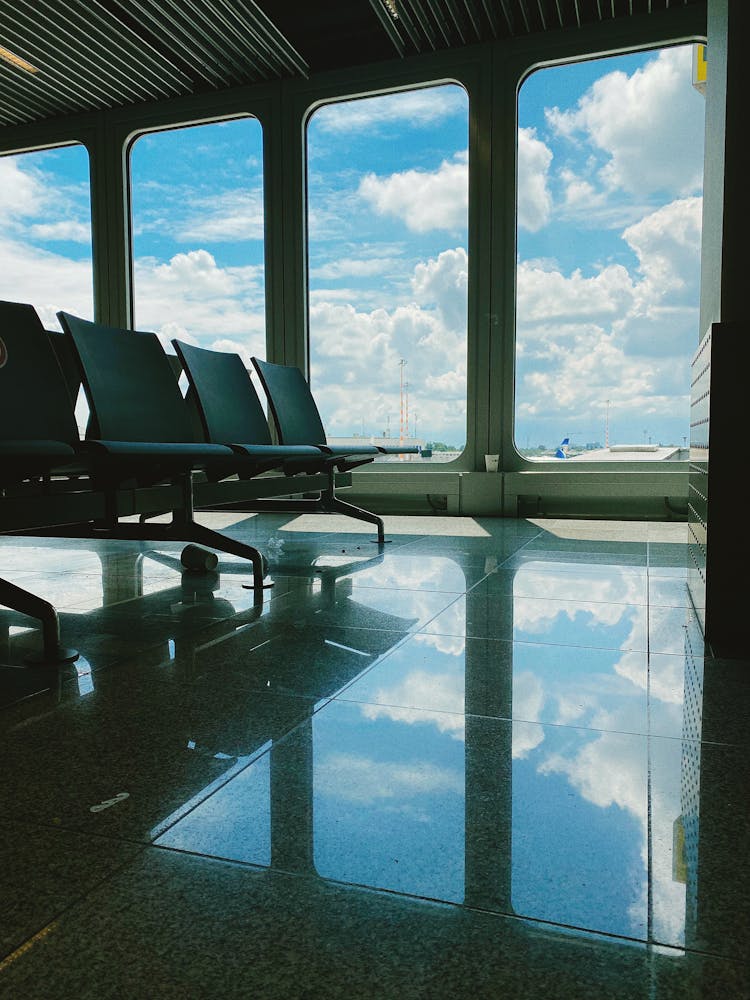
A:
{"x": 68, "y": 361}
{"x": 293, "y": 409}
{"x": 129, "y": 382}
{"x": 224, "y": 396}
{"x": 34, "y": 400}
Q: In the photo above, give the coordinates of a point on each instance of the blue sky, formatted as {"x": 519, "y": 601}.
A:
{"x": 610, "y": 157}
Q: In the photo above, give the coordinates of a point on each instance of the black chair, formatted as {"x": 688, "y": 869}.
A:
{"x": 140, "y": 434}
{"x": 231, "y": 413}
{"x": 297, "y": 420}
{"x": 295, "y": 413}
{"x": 222, "y": 392}
{"x": 43, "y": 473}
{"x": 38, "y": 432}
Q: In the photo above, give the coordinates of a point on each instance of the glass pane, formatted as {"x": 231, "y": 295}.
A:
{"x": 610, "y": 178}
{"x": 45, "y": 247}
{"x": 197, "y": 216}
{"x": 387, "y": 225}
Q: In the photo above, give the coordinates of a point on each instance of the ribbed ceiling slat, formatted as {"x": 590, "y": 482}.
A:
{"x": 79, "y": 65}
{"x": 95, "y": 54}
{"x": 524, "y": 14}
{"x": 30, "y": 88}
{"x": 15, "y": 102}
{"x": 505, "y": 7}
{"x": 421, "y": 20}
{"x": 473, "y": 17}
{"x": 216, "y": 35}
{"x": 104, "y": 51}
{"x": 126, "y": 51}
{"x": 151, "y": 23}
{"x": 267, "y": 36}
{"x": 64, "y": 64}
{"x": 410, "y": 27}
{"x": 239, "y": 39}
{"x": 389, "y": 25}
{"x": 492, "y": 16}
{"x": 438, "y": 16}
{"x": 187, "y": 39}
{"x": 456, "y": 20}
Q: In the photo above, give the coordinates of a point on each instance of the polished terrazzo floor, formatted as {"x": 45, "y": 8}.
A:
{"x": 490, "y": 758}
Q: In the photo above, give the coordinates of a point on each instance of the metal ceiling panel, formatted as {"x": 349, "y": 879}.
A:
{"x": 424, "y": 25}
{"x": 96, "y": 54}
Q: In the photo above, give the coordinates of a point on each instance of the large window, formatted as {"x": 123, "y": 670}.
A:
{"x": 197, "y": 218}
{"x": 45, "y": 232}
{"x": 387, "y": 225}
{"x": 610, "y": 174}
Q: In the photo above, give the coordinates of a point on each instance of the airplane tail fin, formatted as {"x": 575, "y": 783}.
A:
{"x": 562, "y": 448}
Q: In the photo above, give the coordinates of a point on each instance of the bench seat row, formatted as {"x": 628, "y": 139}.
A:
{"x": 148, "y": 449}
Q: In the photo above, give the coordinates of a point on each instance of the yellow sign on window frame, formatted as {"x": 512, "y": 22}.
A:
{"x": 700, "y": 67}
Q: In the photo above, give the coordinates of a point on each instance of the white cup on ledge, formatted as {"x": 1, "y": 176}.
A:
{"x": 490, "y": 462}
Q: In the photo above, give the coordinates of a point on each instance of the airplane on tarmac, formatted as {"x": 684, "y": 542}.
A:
{"x": 562, "y": 448}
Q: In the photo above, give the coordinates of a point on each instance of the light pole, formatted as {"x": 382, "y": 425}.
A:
{"x": 401, "y": 428}
{"x": 606, "y": 428}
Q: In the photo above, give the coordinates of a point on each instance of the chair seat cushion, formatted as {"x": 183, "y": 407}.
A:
{"x": 36, "y": 449}
{"x": 344, "y": 449}
{"x": 158, "y": 451}
{"x": 279, "y": 451}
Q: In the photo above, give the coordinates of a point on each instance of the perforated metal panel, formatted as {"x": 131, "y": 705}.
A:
{"x": 700, "y": 399}
{"x": 690, "y": 784}
{"x": 718, "y": 543}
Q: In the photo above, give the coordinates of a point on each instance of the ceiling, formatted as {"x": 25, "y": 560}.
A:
{"x": 84, "y": 55}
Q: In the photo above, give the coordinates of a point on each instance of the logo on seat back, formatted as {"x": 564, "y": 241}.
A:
{"x": 3, "y": 353}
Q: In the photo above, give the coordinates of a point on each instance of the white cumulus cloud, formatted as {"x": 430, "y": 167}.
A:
{"x": 422, "y": 199}
{"x": 534, "y": 202}
{"x": 638, "y": 122}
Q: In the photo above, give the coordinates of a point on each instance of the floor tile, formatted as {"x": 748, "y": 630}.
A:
{"x": 558, "y": 579}
{"x": 701, "y": 828}
{"x": 205, "y": 928}
{"x": 418, "y": 803}
{"x": 667, "y": 628}
{"x": 668, "y": 591}
{"x": 45, "y": 870}
{"x": 311, "y": 660}
{"x": 158, "y": 744}
{"x": 562, "y": 622}
{"x": 490, "y": 757}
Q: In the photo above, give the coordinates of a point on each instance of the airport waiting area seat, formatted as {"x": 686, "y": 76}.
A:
{"x": 137, "y": 460}
{"x": 297, "y": 419}
{"x": 230, "y": 411}
{"x": 44, "y": 476}
{"x": 140, "y": 429}
{"x": 140, "y": 457}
